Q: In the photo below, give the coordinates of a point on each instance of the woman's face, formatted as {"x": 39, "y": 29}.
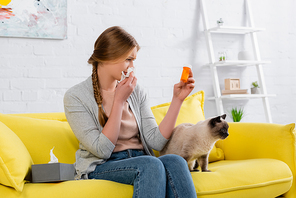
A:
{"x": 115, "y": 69}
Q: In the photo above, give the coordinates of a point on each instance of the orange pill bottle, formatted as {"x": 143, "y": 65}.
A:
{"x": 185, "y": 73}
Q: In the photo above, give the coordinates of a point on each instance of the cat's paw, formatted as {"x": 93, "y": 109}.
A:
{"x": 206, "y": 171}
{"x": 195, "y": 170}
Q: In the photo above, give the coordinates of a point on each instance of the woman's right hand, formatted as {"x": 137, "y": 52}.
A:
{"x": 125, "y": 88}
{"x": 122, "y": 93}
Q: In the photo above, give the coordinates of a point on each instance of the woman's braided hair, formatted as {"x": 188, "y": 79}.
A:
{"x": 112, "y": 45}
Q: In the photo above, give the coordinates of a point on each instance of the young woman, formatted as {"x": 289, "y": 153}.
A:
{"x": 116, "y": 128}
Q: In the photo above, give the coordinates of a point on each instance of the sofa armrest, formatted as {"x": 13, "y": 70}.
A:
{"x": 262, "y": 140}
{"x": 259, "y": 140}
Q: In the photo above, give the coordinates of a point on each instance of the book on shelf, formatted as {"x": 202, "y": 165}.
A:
{"x": 237, "y": 91}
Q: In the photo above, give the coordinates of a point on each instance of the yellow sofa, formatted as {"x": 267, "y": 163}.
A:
{"x": 256, "y": 160}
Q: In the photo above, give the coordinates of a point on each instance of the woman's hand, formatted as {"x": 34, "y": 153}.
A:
{"x": 122, "y": 92}
{"x": 182, "y": 90}
{"x": 125, "y": 88}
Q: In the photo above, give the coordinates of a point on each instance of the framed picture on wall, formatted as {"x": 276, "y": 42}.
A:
{"x": 33, "y": 18}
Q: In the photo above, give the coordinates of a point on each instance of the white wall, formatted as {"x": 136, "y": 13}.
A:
{"x": 35, "y": 73}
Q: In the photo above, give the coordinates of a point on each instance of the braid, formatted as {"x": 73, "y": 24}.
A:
{"x": 98, "y": 96}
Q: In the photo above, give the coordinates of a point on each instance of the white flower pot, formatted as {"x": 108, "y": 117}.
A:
{"x": 255, "y": 90}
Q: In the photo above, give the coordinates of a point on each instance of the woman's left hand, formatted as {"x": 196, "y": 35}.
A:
{"x": 182, "y": 90}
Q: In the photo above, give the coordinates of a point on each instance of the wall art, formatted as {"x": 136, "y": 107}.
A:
{"x": 33, "y": 18}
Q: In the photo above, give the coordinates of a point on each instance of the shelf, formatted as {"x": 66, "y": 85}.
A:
{"x": 239, "y": 63}
{"x": 234, "y": 30}
{"x": 243, "y": 96}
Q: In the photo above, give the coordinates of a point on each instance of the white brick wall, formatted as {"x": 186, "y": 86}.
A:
{"x": 35, "y": 73}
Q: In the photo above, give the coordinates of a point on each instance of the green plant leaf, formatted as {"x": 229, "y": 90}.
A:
{"x": 255, "y": 84}
{"x": 237, "y": 114}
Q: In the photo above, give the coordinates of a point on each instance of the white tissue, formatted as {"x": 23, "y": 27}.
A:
{"x": 53, "y": 158}
{"x": 129, "y": 70}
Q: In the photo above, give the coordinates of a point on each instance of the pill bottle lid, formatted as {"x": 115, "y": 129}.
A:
{"x": 187, "y": 65}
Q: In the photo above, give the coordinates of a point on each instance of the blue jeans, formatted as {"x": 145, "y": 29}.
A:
{"x": 166, "y": 176}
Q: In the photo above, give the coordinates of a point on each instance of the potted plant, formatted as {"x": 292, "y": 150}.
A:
{"x": 222, "y": 56}
{"x": 255, "y": 88}
{"x": 237, "y": 114}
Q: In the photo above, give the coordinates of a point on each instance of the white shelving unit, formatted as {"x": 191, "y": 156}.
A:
{"x": 213, "y": 64}
{"x": 244, "y": 96}
{"x": 239, "y": 63}
{"x": 234, "y": 30}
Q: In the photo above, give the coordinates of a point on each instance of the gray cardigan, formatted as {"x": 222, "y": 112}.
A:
{"x": 95, "y": 148}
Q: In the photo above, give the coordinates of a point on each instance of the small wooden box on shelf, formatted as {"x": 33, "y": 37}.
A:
{"x": 232, "y": 86}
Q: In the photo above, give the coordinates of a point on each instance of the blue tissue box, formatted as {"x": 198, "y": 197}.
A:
{"x": 53, "y": 172}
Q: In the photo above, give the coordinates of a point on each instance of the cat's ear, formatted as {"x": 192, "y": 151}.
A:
{"x": 223, "y": 116}
{"x": 215, "y": 120}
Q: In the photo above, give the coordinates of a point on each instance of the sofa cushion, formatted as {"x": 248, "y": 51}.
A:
{"x": 237, "y": 178}
{"x": 254, "y": 178}
{"x": 192, "y": 111}
{"x": 40, "y": 136}
{"x": 72, "y": 189}
{"x": 15, "y": 160}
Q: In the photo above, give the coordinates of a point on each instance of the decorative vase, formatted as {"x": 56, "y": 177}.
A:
{"x": 244, "y": 55}
{"x": 222, "y": 56}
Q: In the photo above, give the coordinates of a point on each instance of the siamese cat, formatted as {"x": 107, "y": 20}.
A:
{"x": 194, "y": 142}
